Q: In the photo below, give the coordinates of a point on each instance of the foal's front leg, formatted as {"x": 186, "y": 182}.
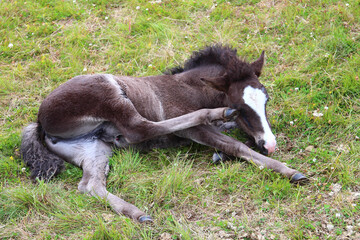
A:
{"x": 208, "y": 135}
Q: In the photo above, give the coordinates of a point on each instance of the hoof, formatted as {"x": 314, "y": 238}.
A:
{"x": 230, "y": 114}
{"x": 218, "y": 157}
{"x": 145, "y": 219}
{"x": 299, "y": 178}
{"x": 221, "y": 157}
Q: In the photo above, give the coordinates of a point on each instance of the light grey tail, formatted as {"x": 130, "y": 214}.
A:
{"x": 43, "y": 163}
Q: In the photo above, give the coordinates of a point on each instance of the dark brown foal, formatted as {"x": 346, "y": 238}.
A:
{"x": 85, "y": 118}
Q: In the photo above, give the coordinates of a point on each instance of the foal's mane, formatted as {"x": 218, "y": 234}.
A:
{"x": 235, "y": 68}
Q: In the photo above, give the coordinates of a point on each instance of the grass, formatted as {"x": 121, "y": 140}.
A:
{"x": 312, "y": 53}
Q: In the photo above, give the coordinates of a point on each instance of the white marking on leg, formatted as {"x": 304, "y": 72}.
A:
{"x": 256, "y": 99}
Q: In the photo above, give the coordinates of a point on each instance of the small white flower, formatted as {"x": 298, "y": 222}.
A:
{"x": 354, "y": 204}
{"x": 74, "y": 1}
{"x": 291, "y": 122}
{"x": 261, "y": 167}
{"x": 346, "y": 4}
{"x": 337, "y": 215}
{"x": 138, "y": 7}
{"x": 147, "y": 9}
{"x": 330, "y": 227}
{"x": 314, "y": 160}
{"x": 150, "y": 65}
{"x": 332, "y": 168}
{"x": 349, "y": 228}
{"x": 85, "y": 69}
{"x": 326, "y": 107}
{"x": 296, "y": 89}
{"x": 106, "y": 18}
{"x": 11, "y": 45}
{"x": 336, "y": 187}
{"x": 90, "y": 44}
{"x": 317, "y": 114}
{"x": 23, "y": 169}
{"x": 186, "y": 36}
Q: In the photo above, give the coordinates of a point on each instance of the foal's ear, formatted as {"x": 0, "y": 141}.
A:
{"x": 258, "y": 64}
{"x": 218, "y": 83}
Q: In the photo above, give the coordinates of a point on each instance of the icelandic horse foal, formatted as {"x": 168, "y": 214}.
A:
{"x": 85, "y": 118}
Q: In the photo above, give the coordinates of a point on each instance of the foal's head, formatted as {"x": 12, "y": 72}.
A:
{"x": 240, "y": 82}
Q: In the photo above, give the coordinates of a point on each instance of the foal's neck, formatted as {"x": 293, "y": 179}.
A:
{"x": 209, "y": 71}
{"x": 193, "y": 77}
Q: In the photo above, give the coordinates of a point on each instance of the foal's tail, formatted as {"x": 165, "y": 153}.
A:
{"x": 43, "y": 163}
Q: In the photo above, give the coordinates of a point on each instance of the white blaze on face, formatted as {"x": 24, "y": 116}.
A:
{"x": 256, "y": 99}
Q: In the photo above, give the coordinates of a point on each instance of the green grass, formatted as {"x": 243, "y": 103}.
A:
{"x": 312, "y": 66}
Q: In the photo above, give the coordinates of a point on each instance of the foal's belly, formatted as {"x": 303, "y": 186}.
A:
{"x": 76, "y": 128}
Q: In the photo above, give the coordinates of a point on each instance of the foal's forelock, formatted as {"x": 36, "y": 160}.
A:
{"x": 256, "y": 99}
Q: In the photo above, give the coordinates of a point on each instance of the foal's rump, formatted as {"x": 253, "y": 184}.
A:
{"x": 70, "y": 118}
{"x": 80, "y": 105}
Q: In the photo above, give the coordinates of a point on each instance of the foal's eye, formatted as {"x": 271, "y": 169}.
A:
{"x": 244, "y": 117}
{"x": 246, "y": 120}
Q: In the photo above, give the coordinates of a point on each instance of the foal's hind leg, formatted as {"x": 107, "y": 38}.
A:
{"x": 93, "y": 156}
{"x": 94, "y": 182}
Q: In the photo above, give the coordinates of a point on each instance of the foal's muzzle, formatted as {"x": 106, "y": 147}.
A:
{"x": 266, "y": 148}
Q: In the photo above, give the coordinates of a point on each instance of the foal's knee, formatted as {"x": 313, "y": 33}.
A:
{"x": 211, "y": 115}
{"x": 82, "y": 187}
{"x": 93, "y": 186}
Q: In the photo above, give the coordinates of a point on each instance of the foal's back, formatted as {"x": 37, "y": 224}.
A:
{"x": 81, "y": 104}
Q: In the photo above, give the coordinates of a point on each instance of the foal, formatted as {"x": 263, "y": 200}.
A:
{"x": 85, "y": 118}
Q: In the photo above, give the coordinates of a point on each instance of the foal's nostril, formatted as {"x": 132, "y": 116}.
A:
{"x": 261, "y": 143}
{"x": 262, "y": 148}
{"x": 264, "y": 151}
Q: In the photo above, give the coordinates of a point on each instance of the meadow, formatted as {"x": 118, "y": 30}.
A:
{"x": 312, "y": 75}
